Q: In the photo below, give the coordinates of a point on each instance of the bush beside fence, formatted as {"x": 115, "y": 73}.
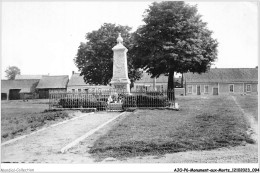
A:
{"x": 82, "y": 103}
{"x": 145, "y": 101}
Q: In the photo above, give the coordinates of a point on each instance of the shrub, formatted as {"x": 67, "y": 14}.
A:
{"x": 151, "y": 101}
{"x": 5, "y": 135}
{"x": 154, "y": 93}
{"x": 87, "y": 102}
{"x": 103, "y": 99}
{"x": 144, "y": 101}
{"x": 101, "y": 105}
{"x": 129, "y": 101}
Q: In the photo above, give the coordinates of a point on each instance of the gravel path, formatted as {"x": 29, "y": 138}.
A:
{"x": 44, "y": 147}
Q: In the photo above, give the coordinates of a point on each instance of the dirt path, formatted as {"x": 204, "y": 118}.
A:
{"x": 44, "y": 147}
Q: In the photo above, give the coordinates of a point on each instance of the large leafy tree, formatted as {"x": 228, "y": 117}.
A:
{"x": 95, "y": 57}
{"x": 173, "y": 39}
{"x": 11, "y": 72}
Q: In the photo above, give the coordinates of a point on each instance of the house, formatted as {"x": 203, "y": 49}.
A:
{"x": 222, "y": 81}
{"x": 18, "y": 89}
{"x": 50, "y": 84}
{"x": 77, "y": 84}
{"x": 147, "y": 83}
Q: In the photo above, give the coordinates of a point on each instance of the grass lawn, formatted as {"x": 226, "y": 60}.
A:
{"x": 18, "y": 117}
{"x": 249, "y": 103}
{"x": 203, "y": 123}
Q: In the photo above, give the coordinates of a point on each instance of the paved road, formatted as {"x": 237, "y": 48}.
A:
{"x": 44, "y": 147}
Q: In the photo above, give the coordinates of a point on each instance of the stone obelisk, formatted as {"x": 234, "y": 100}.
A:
{"x": 120, "y": 80}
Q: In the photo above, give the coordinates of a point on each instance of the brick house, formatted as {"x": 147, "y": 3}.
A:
{"x": 222, "y": 81}
{"x": 50, "y": 84}
{"x": 77, "y": 84}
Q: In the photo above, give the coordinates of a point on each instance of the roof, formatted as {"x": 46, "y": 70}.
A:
{"x": 224, "y": 75}
{"x": 48, "y": 82}
{"x": 26, "y": 85}
{"x": 18, "y": 77}
{"x": 146, "y": 78}
{"x": 77, "y": 80}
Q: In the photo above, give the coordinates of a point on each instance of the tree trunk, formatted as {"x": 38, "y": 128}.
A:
{"x": 171, "y": 94}
{"x": 131, "y": 84}
{"x": 182, "y": 80}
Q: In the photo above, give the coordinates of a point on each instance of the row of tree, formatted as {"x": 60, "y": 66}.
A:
{"x": 173, "y": 39}
{"x": 11, "y": 72}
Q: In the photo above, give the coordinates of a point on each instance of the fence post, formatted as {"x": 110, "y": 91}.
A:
{"x": 49, "y": 101}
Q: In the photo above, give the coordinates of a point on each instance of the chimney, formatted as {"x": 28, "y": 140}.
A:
{"x": 73, "y": 72}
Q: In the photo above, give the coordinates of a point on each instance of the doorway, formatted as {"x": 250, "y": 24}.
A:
{"x": 44, "y": 94}
{"x": 14, "y": 94}
{"x": 215, "y": 91}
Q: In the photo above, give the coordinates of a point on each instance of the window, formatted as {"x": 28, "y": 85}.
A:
{"x": 189, "y": 89}
{"x": 248, "y": 87}
{"x": 231, "y": 88}
{"x": 206, "y": 89}
{"x": 73, "y": 90}
{"x": 147, "y": 87}
{"x": 138, "y": 87}
{"x": 79, "y": 90}
{"x": 202, "y": 89}
{"x": 86, "y": 90}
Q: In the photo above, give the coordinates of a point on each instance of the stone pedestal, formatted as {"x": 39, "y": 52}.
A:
{"x": 120, "y": 78}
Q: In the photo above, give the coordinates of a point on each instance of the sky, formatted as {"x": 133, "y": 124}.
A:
{"x": 43, "y": 37}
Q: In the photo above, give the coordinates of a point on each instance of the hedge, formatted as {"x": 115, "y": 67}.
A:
{"x": 82, "y": 103}
{"x": 129, "y": 101}
{"x": 145, "y": 101}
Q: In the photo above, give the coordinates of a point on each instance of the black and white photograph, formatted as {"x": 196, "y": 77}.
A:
{"x": 170, "y": 86}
